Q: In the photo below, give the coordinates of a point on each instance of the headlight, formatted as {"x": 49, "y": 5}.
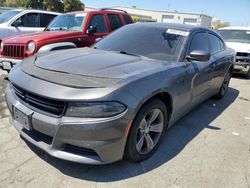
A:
{"x": 94, "y": 109}
{"x": 31, "y": 47}
{"x": 2, "y": 44}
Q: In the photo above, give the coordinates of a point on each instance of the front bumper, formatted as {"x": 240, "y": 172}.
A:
{"x": 7, "y": 63}
{"x": 98, "y": 141}
{"x": 241, "y": 68}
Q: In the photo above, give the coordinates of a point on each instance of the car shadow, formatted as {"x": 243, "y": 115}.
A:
{"x": 174, "y": 141}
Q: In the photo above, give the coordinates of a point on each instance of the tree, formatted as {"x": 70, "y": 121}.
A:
{"x": 216, "y": 24}
{"x": 13, "y": 3}
{"x": 35, "y": 4}
{"x": 53, "y": 5}
{"x": 73, "y": 5}
{"x": 2, "y": 2}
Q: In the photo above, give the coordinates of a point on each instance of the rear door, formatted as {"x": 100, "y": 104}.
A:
{"x": 115, "y": 21}
{"x": 201, "y": 84}
{"x": 217, "y": 50}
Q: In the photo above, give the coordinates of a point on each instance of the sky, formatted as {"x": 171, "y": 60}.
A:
{"x": 237, "y": 12}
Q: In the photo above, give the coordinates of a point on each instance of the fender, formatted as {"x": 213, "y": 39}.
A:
{"x": 56, "y": 46}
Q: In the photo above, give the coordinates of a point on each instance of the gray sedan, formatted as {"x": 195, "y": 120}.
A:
{"x": 96, "y": 105}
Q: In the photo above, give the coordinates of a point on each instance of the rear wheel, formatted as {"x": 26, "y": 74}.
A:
{"x": 224, "y": 87}
{"x": 146, "y": 131}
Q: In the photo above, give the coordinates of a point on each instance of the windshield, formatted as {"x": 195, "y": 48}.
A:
{"x": 68, "y": 22}
{"x": 6, "y": 16}
{"x": 144, "y": 40}
{"x": 235, "y": 35}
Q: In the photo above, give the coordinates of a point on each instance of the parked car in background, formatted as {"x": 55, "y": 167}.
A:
{"x": 95, "y": 105}
{"x": 238, "y": 38}
{"x": 17, "y": 21}
{"x": 4, "y": 9}
{"x": 71, "y": 30}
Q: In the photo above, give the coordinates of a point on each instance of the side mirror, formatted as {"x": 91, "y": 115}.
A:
{"x": 17, "y": 23}
{"x": 199, "y": 55}
{"x": 91, "y": 30}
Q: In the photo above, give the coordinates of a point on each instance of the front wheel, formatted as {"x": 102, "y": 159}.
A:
{"x": 224, "y": 87}
{"x": 146, "y": 131}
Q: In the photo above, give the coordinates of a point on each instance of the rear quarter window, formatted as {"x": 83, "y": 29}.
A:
{"x": 127, "y": 19}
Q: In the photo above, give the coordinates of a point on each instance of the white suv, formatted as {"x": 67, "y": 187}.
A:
{"x": 17, "y": 21}
{"x": 238, "y": 38}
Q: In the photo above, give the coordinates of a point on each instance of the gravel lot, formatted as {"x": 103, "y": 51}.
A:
{"x": 209, "y": 147}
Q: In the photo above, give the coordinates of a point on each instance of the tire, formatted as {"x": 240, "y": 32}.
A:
{"x": 146, "y": 131}
{"x": 224, "y": 86}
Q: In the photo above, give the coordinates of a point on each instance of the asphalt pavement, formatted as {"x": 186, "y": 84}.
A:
{"x": 209, "y": 147}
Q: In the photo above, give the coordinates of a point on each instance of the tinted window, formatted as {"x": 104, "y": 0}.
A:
{"x": 216, "y": 44}
{"x": 199, "y": 42}
{"x": 99, "y": 22}
{"x": 30, "y": 20}
{"x": 127, "y": 19}
{"x": 115, "y": 21}
{"x": 46, "y": 19}
{"x": 144, "y": 40}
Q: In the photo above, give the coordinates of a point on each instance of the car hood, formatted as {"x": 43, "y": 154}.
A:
{"x": 87, "y": 67}
{"x": 239, "y": 47}
{"x": 38, "y": 36}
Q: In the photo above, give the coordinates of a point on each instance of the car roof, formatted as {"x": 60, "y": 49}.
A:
{"x": 34, "y": 10}
{"x": 235, "y": 28}
{"x": 97, "y": 11}
{"x": 183, "y": 27}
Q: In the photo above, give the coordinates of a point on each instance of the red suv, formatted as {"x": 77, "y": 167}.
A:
{"x": 75, "y": 29}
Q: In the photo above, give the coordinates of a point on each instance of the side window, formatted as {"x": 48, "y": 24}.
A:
{"x": 98, "y": 21}
{"x": 46, "y": 19}
{"x": 216, "y": 44}
{"x": 199, "y": 42}
{"x": 127, "y": 19}
{"x": 115, "y": 21}
{"x": 30, "y": 20}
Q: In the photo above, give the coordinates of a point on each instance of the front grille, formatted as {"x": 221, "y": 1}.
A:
{"x": 243, "y": 60}
{"x": 41, "y": 103}
{"x": 15, "y": 51}
{"x": 242, "y": 54}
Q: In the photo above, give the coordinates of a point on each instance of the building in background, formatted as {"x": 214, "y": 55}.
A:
{"x": 168, "y": 16}
{"x": 144, "y": 15}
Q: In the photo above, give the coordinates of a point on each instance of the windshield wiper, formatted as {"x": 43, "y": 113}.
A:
{"x": 59, "y": 29}
{"x": 127, "y": 53}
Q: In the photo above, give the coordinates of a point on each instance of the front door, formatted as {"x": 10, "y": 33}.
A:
{"x": 201, "y": 82}
{"x": 97, "y": 20}
{"x": 29, "y": 23}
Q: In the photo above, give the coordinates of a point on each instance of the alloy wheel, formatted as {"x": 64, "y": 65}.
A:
{"x": 225, "y": 84}
{"x": 149, "y": 132}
